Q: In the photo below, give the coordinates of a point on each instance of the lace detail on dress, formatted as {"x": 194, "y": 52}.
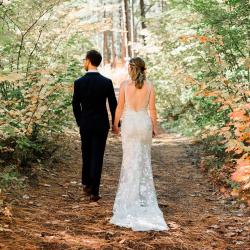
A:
{"x": 136, "y": 202}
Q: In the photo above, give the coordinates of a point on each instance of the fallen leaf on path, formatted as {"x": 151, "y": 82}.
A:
{"x": 239, "y": 214}
{"x": 223, "y": 189}
{"x": 210, "y": 231}
{"x": 238, "y": 242}
{"x": 4, "y": 229}
{"x": 122, "y": 241}
{"x": 45, "y": 185}
{"x": 235, "y": 192}
{"x": 163, "y": 204}
{"x": 7, "y": 212}
{"x": 173, "y": 225}
{"x": 242, "y": 206}
{"x": 49, "y": 238}
{"x": 214, "y": 226}
{"x": 230, "y": 234}
{"x": 94, "y": 204}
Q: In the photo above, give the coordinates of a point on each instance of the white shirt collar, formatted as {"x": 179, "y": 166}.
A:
{"x": 92, "y": 70}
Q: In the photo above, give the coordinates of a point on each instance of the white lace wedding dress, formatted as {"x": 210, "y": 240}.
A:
{"x": 136, "y": 204}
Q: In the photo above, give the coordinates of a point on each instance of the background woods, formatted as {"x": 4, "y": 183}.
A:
{"x": 197, "y": 55}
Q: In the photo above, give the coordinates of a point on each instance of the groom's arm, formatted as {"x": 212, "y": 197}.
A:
{"x": 76, "y": 104}
{"x": 112, "y": 101}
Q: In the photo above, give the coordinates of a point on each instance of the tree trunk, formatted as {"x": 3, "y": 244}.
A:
{"x": 106, "y": 58}
{"x": 106, "y": 49}
{"x": 143, "y": 17}
{"x": 132, "y": 27}
{"x": 124, "y": 33}
{"x": 127, "y": 26}
{"x": 113, "y": 63}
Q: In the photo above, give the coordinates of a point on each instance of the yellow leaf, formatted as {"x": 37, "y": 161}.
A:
{"x": 235, "y": 192}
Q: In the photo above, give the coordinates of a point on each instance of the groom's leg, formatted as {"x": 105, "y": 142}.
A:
{"x": 86, "y": 157}
{"x": 98, "y": 148}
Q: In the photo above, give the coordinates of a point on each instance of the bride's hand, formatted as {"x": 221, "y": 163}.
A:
{"x": 115, "y": 130}
{"x": 154, "y": 132}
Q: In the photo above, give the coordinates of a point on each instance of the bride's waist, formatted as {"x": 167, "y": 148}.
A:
{"x": 141, "y": 115}
{"x": 135, "y": 112}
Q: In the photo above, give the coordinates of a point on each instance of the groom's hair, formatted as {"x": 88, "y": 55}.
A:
{"x": 95, "y": 57}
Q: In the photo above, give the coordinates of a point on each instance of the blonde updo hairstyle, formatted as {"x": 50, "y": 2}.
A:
{"x": 137, "y": 71}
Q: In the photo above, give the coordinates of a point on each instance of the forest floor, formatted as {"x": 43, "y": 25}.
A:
{"x": 55, "y": 214}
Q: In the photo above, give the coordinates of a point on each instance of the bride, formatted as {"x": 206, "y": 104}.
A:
{"x": 136, "y": 204}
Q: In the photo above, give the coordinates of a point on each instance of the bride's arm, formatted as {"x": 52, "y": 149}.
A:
{"x": 152, "y": 110}
{"x": 120, "y": 105}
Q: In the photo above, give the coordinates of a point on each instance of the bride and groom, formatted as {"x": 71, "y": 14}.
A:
{"x": 135, "y": 203}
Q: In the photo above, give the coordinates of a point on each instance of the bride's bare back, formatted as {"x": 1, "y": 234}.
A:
{"x": 137, "y": 99}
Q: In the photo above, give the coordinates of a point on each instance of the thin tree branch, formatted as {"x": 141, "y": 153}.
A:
{"x": 29, "y": 29}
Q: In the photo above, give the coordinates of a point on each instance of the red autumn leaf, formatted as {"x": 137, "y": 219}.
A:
{"x": 243, "y": 162}
{"x": 247, "y": 106}
{"x": 237, "y": 115}
{"x": 242, "y": 174}
{"x": 223, "y": 190}
{"x": 202, "y": 39}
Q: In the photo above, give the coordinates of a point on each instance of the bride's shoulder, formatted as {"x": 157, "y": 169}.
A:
{"x": 124, "y": 83}
{"x": 149, "y": 82}
{"x": 122, "y": 87}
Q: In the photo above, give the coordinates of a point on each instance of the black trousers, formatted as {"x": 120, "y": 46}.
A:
{"x": 93, "y": 146}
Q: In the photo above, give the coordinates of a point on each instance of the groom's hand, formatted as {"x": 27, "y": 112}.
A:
{"x": 115, "y": 130}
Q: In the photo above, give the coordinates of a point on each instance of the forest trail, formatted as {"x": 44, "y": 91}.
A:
{"x": 195, "y": 51}
{"x": 56, "y": 214}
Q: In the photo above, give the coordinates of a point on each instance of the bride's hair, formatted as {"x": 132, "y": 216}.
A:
{"x": 137, "y": 72}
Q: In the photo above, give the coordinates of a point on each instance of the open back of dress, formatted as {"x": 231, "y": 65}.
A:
{"x": 137, "y": 99}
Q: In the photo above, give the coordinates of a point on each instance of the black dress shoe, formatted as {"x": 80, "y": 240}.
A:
{"x": 94, "y": 198}
{"x": 87, "y": 190}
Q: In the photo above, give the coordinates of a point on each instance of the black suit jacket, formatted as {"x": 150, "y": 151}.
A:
{"x": 91, "y": 92}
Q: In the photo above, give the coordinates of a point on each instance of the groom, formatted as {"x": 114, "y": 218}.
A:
{"x": 89, "y": 106}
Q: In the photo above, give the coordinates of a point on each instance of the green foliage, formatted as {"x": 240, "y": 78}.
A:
{"x": 230, "y": 21}
{"x": 202, "y": 72}
{"x": 40, "y": 57}
{"x": 212, "y": 146}
{"x": 10, "y": 177}
{"x": 208, "y": 113}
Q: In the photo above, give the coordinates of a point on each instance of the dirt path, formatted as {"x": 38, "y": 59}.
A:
{"x": 56, "y": 214}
